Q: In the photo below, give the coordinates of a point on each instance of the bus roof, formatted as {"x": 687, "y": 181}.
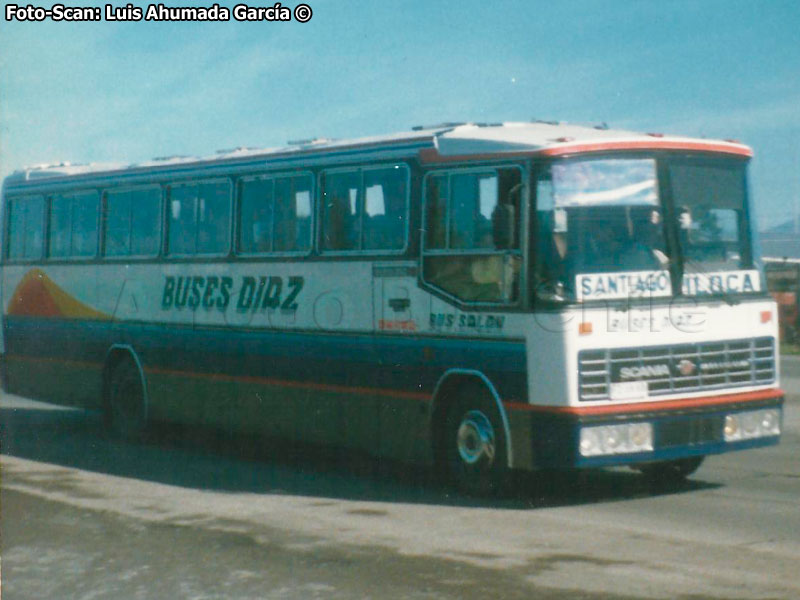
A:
{"x": 442, "y": 143}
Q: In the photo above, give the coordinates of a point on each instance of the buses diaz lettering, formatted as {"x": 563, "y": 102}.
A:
{"x": 212, "y": 292}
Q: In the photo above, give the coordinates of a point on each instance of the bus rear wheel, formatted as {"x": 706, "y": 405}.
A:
{"x": 125, "y": 412}
{"x": 474, "y": 446}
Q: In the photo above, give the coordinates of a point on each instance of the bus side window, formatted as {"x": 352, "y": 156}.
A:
{"x": 472, "y": 234}
{"x": 85, "y": 208}
{"x": 213, "y": 218}
{"x": 25, "y": 227}
{"x": 199, "y": 218}
{"x": 341, "y": 225}
{"x": 385, "y": 208}
{"x": 436, "y": 218}
{"x": 292, "y": 213}
{"x": 302, "y": 204}
{"x": 132, "y": 223}
{"x": 59, "y": 229}
{"x": 255, "y": 215}
{"x": 182, "y": 219}
{"x": 145, "y": 221}
{"x": 117, "y": 231}
{"x": 365, "y": 209}
{"x": 73, "y": 225}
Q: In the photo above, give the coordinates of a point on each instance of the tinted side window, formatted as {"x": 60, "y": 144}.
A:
{"x": 472, "y": 205}
{"x": 73, "y": 225}
{"x": 199, "y": 218}
{"x": 472, "y": 223}
{"x": 255, "y": 215}
{"x": 436, "y": 202}
{"x": 365, "y": 209}
{"x": 385, "y": 208}
{"x": 292, "y": 214}
{"x": 145, "y": 221}
{"x": 60, "y": 227}
{"x": 85, "y": 207}
{"x": 26, "y": 227}
{"x": 133, "y": 222}
{"x": 118, "y": 223}
{"x": 341, "y": 200}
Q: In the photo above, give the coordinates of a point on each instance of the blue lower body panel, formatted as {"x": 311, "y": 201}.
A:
{"x": 677, "y": 433}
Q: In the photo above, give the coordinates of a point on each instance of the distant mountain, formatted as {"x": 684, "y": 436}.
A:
{"x": 783, "y": 228}
{"x": 781, "y": 241}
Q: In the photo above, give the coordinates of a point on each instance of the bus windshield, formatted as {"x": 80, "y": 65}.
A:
{"x": 601, "y": 230}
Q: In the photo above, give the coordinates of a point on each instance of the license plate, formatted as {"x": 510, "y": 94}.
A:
{"x": 628, "y": 390}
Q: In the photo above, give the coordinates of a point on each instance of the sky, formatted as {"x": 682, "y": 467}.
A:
{"x": 131, "y": 91}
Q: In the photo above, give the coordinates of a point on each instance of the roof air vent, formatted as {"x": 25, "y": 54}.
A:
{"x": 444, "y": 125}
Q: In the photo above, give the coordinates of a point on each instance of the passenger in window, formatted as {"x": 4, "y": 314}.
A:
{"x": 494, "y": 275}
{"x": 611, "y": 245}
{"x": 454, "y": 275}
{"x": 339, "y": 228}
{"x": 261, "y": 229}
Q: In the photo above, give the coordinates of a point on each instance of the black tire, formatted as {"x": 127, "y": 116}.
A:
{"x": 474, "y": 445}
{"x": 671, "y": 470}
{"x": 125, "y": 410}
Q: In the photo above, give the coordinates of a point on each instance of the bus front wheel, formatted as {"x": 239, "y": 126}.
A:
{"x": 125, "y": 411}
{"x": 474, "y": 449}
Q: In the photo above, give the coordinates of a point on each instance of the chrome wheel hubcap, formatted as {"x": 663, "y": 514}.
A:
{"x": 475, "y": 439}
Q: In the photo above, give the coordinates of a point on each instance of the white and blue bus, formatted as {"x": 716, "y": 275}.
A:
{"x": 480, "y": 297}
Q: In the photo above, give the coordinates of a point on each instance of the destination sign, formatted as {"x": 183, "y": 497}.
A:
{"x": 722, "y": 282}
{"x": 631, "y": 284}
{"x": 653, "y": 284}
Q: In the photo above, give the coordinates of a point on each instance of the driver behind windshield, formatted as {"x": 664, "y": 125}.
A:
{"x": 623, "y": 238}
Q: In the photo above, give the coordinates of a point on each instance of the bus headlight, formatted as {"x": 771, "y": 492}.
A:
{"x": 752, "y": 424}
{"x": 627, "y": 438}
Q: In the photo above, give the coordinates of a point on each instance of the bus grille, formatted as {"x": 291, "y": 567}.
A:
{"x": 678, "y": 367}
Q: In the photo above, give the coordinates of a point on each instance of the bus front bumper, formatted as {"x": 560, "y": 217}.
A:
{"x": 585, "y": 437}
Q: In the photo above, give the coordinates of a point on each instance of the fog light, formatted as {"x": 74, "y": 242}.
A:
{"x": 626, "y": 438}
{"x": 752, "y": 424}
{"x": 731, "y": 428}
{"x": 590, "y": 442}
{"x": 612, "y": 438}
{"x": 641, "y": 434}
{"x": 771, "y": 422}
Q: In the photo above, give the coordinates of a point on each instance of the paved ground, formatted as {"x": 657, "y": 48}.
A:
{"x": 193, "y": 514}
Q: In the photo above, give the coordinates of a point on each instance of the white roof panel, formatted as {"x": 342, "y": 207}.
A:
{"x": 446, "y": 141}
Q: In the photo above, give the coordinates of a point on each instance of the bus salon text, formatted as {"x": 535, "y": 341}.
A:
{"x": 470, "y": 321}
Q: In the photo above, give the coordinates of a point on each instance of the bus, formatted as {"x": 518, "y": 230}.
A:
{"x": 477, "y": 297}
{"x": 783, "y": 282}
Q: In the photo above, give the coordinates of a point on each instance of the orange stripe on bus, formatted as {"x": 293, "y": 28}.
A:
{"x": 342, "y": 389}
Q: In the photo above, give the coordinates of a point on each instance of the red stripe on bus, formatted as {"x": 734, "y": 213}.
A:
{"x": 648, "y": 145}
{"x": 342, "y": 389}
{"x": 431, "y": 155}
{"x": 651, "y": 406}
{"x": 64, "y": 361}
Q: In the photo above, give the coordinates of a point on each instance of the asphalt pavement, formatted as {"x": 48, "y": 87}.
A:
{"x": 199, "y": 514}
